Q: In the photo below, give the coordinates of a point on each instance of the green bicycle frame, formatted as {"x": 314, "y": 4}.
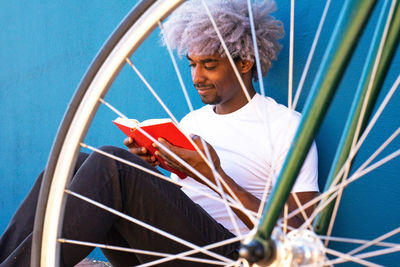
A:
{"x": 348, "y": 30}
{"x": 350, "y": 133}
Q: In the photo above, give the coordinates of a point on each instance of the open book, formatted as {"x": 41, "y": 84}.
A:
{"x": 156, "y": 128}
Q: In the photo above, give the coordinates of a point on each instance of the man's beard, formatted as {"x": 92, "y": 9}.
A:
{"x": 210, "y": 98}
{"x": 214, "y": 101}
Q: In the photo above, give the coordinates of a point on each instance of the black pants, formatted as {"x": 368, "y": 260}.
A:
{"x": 126, "y": 189}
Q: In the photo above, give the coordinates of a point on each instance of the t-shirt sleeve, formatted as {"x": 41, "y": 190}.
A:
{"x": 307, "y": 180}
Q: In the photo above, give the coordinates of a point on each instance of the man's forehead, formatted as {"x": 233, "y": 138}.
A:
{"x": 204, "y": 58}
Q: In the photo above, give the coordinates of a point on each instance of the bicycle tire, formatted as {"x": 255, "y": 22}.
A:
{"x": 132, "y": 19}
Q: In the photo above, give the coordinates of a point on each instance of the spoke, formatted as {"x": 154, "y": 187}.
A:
{"x": 369, "y": 254}
{"x": 238, "y": 76}
{"x": 353, "y": 152}
{"x": 291, "y": 48}
{"x": 317, "y": 210}
{"x": 162, "y": 104}
{"x": 378, "y": 151}
{"x": 156, "y": 141}
{"x": 278, "y": 161}
{"x": 311, "y": 55}
{"x": 268, "y": 186}
{"x": 375, "y": 165}
{"x": 223, "y": 195}
{"x": 149, "y": 227}
{"x": 300, "y": 207}
{"x": 379, "y": 252}
{"x": 186, "y": 253}
{"x": 372, "y": 167}
{"x": 306, "y": 223}
{"x": 136, "y": 251}
{"x": 266, "y": 193}
{"x": 257, "y": 111}
{"x": 152, "y": 91}
{"x": 358, "y": 174}
{"x": 209, "y": 162}
{"x": 281, "y": 225}
{"x": 209, "y": 159}
{"x": 201, "y": 176}
{"x": 177, "y": 71}
{"x": 363, "y": 109}
{"x": 353, "y": 178}
{"x": 228, "y": 54}
{"x": 285, "y": 213}
{"x": 255, "y": 45}
{"x": 345, "y": 258}
{"x": 368, "y": 129}
{"x": 375, "y": 241}
{"x": 266, "y": 127}
{"x": 165, "y": 178}
{"x": 392, "y": 247}
{"x": 217, "y": 177}
{"x": 357, "y": 241}
{"x": 112, "y": 108}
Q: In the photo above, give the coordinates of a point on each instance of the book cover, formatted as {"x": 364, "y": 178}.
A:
{"x": 156, "y": 128}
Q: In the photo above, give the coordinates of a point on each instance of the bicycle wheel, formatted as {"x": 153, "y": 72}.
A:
{"x": 126, "y": 39}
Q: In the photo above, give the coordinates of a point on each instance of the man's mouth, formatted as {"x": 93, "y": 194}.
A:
{"x": 204, "y": 90}
{"x": 203, "y": 87}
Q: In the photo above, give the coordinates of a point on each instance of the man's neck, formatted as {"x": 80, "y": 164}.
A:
{"x": 226, "y": 108}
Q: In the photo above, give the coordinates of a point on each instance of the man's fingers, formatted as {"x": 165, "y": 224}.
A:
{"x": 169, "y": 160}
{"x": 151, "y": 159}
{"x": 133, "y": 147}
{"x": 197, "y": 140}
{"x": 138, "y": 150}
{"x": 164, "y": 143}
{"x": 129, "y": 142}
{"x": 162, "y": 153}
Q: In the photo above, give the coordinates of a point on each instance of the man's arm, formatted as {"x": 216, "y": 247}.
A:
{"x": 248, "y": 200}
{"x": 303, "y": 197}
{"x": 194, "y": 159}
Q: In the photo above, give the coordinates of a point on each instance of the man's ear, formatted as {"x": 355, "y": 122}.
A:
{"x": 246, "y": 65}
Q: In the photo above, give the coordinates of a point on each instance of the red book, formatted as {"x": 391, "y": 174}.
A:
{"x": 156, "y": 128}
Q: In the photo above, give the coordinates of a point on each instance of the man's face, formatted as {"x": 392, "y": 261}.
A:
{"x": 214, "y": 79}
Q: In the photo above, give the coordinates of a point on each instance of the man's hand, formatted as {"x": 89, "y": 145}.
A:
{"x": 191, "y": 157}
{"x": 140, "y": 151}
{"x": 194, "y": 159}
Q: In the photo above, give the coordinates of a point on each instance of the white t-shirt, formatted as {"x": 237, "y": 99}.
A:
{"x": 251, "y": 146}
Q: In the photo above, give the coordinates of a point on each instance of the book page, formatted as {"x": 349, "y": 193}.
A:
{"x": 131, "y": 123}
{"x": 154, "y": 122}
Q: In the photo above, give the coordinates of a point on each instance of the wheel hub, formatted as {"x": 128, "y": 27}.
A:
{"x": 297, "y": 248}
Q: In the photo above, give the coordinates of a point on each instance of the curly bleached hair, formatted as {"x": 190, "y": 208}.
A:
{"x": 189, "y": 30}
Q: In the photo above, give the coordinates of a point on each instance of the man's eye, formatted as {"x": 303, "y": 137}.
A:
{"x": 209, "y": 67}
{"x": 192, "y": 65}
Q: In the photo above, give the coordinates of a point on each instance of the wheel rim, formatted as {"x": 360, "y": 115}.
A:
{"x": 79, "y": 136}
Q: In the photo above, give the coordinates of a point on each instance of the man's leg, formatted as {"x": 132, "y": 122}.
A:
{"x": 129, "y": 190}
{"x": 15, "y": 243}
{"x": 142, "y": 196}
{"x": 119, "y": 258}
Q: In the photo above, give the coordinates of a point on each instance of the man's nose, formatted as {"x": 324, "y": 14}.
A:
{"x": 197, "y": 75}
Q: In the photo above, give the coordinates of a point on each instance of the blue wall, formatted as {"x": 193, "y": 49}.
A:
{"x": 46, "y": 46}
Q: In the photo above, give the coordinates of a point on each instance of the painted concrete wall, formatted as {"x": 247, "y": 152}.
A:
{"x": 46, "y": 46}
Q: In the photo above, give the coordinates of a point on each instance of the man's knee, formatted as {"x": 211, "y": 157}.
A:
{"x": 113, "y": 150}
{"x": 119, "y": 153}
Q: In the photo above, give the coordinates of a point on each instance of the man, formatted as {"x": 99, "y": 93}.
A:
{"x": 247, "y": 142}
